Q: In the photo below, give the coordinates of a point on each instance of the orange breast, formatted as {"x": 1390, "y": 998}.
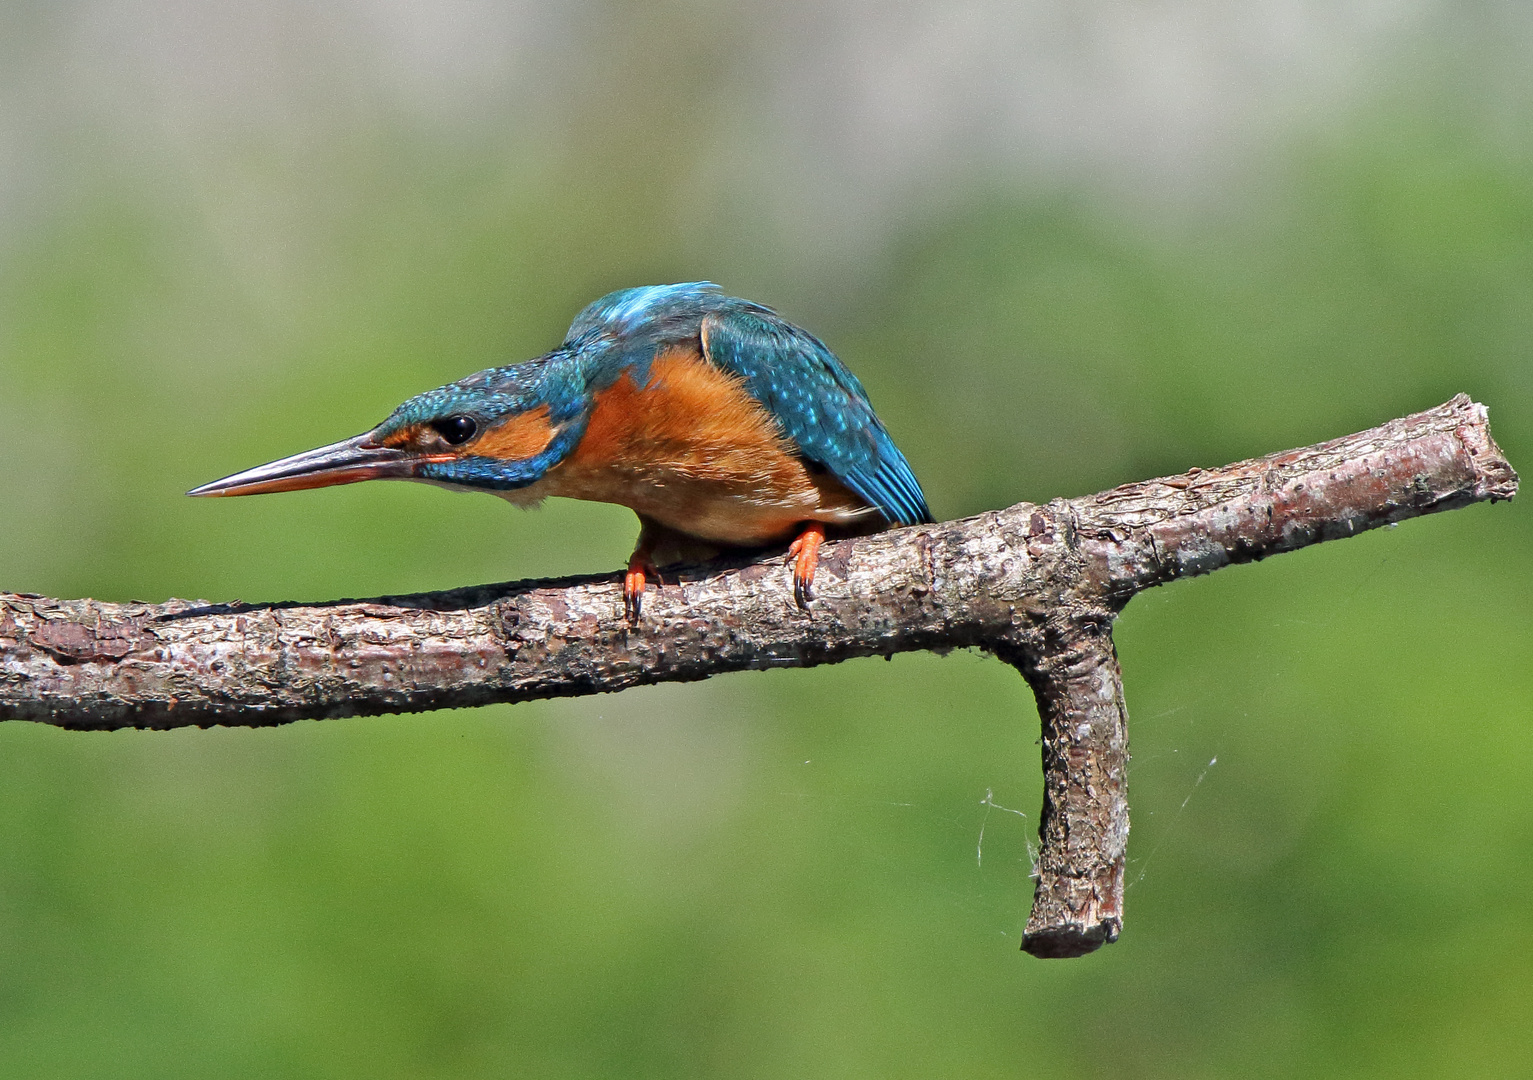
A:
{"x": 695, "y": 452}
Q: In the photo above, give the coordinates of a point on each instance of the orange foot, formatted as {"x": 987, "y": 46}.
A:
{"x": 805, "y": 553}
{"x": 640, "y": 567}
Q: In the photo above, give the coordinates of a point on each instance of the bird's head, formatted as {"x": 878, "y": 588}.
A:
{"x": 501, "y": 429}
{"x": 497, "y": 430}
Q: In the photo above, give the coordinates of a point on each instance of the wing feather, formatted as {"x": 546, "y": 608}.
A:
{"x": 819, "y": 403}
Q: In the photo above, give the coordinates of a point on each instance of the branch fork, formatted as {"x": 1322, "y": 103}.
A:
{"x": 1038, "y": 586}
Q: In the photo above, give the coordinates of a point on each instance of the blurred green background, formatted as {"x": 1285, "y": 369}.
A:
{"x": 1066, "y": 245}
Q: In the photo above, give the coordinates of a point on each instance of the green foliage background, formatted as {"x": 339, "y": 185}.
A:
{"x": 774, "y": 874}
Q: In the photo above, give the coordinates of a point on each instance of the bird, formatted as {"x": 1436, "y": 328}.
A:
{"x": 718, "y": 422}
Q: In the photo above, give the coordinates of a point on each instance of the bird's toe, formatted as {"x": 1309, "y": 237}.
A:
{"x": 805, "y": 553}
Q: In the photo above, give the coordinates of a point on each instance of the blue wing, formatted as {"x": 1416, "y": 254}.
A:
{"x": 819, "y": 403}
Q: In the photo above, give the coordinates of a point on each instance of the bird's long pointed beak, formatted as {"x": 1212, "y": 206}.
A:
{"x": 345, "y": 462}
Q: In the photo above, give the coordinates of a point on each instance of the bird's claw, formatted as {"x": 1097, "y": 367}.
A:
{"x": 805, "y": 553}
{"x": 640, "y": 569}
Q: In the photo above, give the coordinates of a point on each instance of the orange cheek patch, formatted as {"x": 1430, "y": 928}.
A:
{"x": 521, "y": 436}
{"x": 405, "y": 436}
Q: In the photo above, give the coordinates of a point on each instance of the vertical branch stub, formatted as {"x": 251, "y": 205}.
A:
{"x": 1074, "y": 674}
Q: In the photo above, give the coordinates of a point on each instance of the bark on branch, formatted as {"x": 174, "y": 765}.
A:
{"x": 1039, "y": 586}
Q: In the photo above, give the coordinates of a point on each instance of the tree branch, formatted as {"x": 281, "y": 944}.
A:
{"x": 1039, "y": 586}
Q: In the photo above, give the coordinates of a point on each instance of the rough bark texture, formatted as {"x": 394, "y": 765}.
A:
{"x": 1037, "y": 585}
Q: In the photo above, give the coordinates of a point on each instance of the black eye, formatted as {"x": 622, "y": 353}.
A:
{"x": 455, "y": 429}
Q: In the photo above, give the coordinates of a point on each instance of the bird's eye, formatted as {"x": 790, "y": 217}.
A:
{"x": 456, "y": 429}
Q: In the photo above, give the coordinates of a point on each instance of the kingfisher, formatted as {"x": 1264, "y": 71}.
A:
{"x": 719, "y": 423}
